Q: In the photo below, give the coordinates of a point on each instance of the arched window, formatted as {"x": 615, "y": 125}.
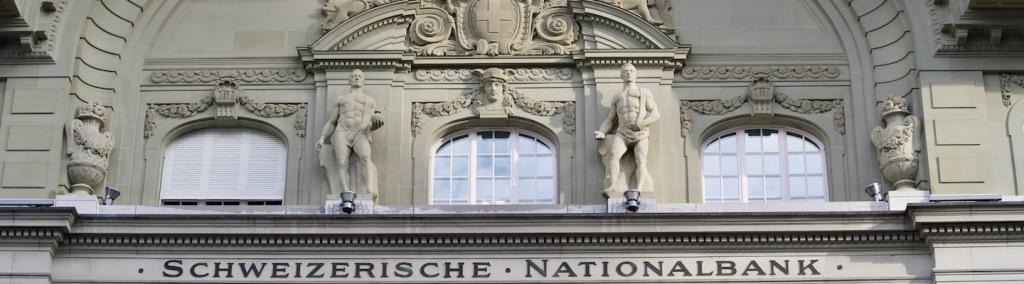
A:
{"x": 224, "y": 166}
{"x": 763, "y": 165}
{"x": 493, "y": 167}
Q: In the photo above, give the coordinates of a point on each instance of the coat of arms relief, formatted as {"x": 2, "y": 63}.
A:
{"x": 493, "y": 27}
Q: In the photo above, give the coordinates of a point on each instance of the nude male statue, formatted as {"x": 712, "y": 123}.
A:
{"x": 349, "y": 124}
{"x": 633, "y": 112}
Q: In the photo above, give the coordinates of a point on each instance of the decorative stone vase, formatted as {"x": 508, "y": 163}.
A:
{"x": 89, "y": 150}
{"x": 895, "y": 144}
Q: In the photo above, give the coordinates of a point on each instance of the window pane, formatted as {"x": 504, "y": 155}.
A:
{"x": 502, "y": 142}
{"x": 527, "y": 189}
{"x": 442, "y": 167}
{"x": 796, "y": 164}
{"x": 773, "y": 188}
{"x": 729, "y": 166}
{"x": 484, "y": 166}
{"x": 755, "y": 188}
{"x": 546, "y": 167}
{"x": 731, "y": 189}
{"x": 810, "y": 145}
{"x": 814, "y": 163}
{"x": 794, "y": 142}
{"x": 712, "y": 188}
{"x": 527, "y": 166}
{"x": 728, "y": 144}
{"x": 712, "y": 147}
{"x": 711, "y": 165}
{"x": 543, "y": 149}
{"x": 484, "y": 190}
{"x": 502, "y": 166}
{"x": 797, "y": 188}
{"x": 460, "y": 146}
{"x": 754, "y": 164}
{"x": 442, "y": 190}
{"x": 485, "y": 142}
{"x": 771, "y": 164}
{"x": 502, "y": 191}
{"x": 771, "y": 140}
{"x": 753, "y": 140}
{"x": 545, "y": 190}
{"x": 815, "y": 186}
{"x": 526, "y": 145}
{"x": 460, "y": 166}
{"x": 460, "y": 191}
{"x": 445, "y": 149}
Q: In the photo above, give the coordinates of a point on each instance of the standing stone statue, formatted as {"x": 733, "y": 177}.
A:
{"x": 633, "y": 111}
{"x": 89, "y": 150}
{"x": 895, "y": 143}
{"x": 349, "y": 124}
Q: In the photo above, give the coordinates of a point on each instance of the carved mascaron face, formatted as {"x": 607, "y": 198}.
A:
{"x": 493, "y": 90}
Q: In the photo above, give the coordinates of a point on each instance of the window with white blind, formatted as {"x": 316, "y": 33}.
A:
{"x": 224, "y": 164}
{"x": 493, "y": 166}
{"x": 764, "y": 165}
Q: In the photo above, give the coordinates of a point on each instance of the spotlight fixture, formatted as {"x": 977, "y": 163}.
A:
{"x": 874, "y": 191}
{"x": 109, "y": 195}
{"x": 632, "y": 199}
{"x": 348, "y": 204}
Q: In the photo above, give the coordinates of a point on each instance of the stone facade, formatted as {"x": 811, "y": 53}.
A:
{"x": 918, "y": 96}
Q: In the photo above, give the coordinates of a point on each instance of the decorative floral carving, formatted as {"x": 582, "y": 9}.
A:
{"x": 777, "y": 72}
{"x": 202, "y": 76}
{"x": 250, "y": 104}
{"x": 494, "y": 27}
{"x": 897, "y": 155}
{"x": 89, "y": 149}
{"x": 1006, "y": 83}
{"x": 514, "y": 75}
{"x": 476, "y": 100}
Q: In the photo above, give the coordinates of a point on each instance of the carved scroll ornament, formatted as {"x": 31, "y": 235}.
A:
{"x": 494, "y": 27}
{"x": 205, "y": 76}
{"x": 776, "y": 72}
{"x": 226, "y": 97}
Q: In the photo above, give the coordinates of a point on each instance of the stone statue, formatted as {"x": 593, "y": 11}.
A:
{"x": 640, "y": 7}
{"x": 337, "y": 11}
{"x": 349, "y": 124}
{"x": 89, "y": 150}
{"x": 633, "y": 111}
{"x": 897, "y": 155}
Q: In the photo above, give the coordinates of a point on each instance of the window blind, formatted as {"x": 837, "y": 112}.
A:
{"x": 224, "y": 163}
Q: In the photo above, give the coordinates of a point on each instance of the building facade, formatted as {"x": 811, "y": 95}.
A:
{"x": 511, "y": 141}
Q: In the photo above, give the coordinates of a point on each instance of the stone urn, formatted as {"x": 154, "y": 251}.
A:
{"x": 88, "y": 149}
{"x": 897, "y": 155}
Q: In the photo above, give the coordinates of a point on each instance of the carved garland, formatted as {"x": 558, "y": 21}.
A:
{"x": 776, "y": 72}
{"x": 203, "y": 76}
{"x": 424, "y": 110}
{"x": 514, "y": 75}
{"x": 260, "y": 109}
{"x": 1006, "y": 83}
{"x": 720, "y": 107}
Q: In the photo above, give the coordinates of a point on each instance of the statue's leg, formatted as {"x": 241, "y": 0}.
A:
{"x": 640, "y": 157}
{"x": 616, "y": 149}
{"x": 342, "y": 152}
{"x": 363, "y": 163}
{"x": 646, "y": 13}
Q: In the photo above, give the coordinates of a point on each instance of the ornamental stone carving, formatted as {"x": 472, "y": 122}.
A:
{"x": 1006, "y": 83}
{"x": 774, "y": 72}
{"x": 336, "y": 12}
{"x": 352, "y": 119}
{"x": 897, "y": 155}
{"x": 643, "y": 8}
{"x": 625, "y": 134}
{"x": 225, "y": 96}
{"x": 89, "y": 149}
{"x": 204, "y": 76}
{"x": 761, "y": 92}
{"x": 513, "y": 74}
{"x": 494, "y": 98}
{"x": 494, "y": 27}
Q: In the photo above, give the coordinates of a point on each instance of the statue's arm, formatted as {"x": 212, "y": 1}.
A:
{"x": 376, "y": 119}
{"x": 609, "y": 122}
{"x": 652, "y": 111}
{"x": 332, "y": 122}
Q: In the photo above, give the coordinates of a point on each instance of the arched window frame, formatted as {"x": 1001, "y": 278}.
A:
{"x": 514, "y": 156}
{"x": 784, "y": 173}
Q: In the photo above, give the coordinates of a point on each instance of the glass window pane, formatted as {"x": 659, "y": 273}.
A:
{"x": 502, "y": 166}
{"x": 815, "y": 186}
{"x": 502, "y": 191}
{"x": 460, "y": 190}
{"x": 796, "y": 164}
{"x": 794, "y": 142}
{"x": 460, "y": 145}
{"x": 484, "y": 190}
{"x": 772, "y": 164}
{"x": 445, "y": 149}
{"x": 729, "y": 166}
{"x": 442, "y": 191}
{"x": 731, "y": 189}
{"x": 754, "y": 164}
{"x": 814, "y": 164}
{"x": 527, "y": 189}
{"x": 546, "y": 167}
{"x": 753, "y": 140}
{"x": 502, "y": 142}
{"x": 771, "y": 140}
{"x": 728, "y": 144}
{"x": 527, "y": 166}
{"x": 526, "y": 145}
{"x": 712, "y": 188}
{"x": 442, "y": 167}
{"x": 484, "y": 166}
{"x": 755, "y": 188}
{"x": 773, "y": 188}
{"x": 712, "y": 147}
{"x": 460, "y": 166}
{"x": 810, "y": 145}
{"x": 710, "y": 165}
{"x": 485, "y": 142}
{"x": 797, "y": 188}
{"x": 545, "y": 190}
{"x": 543, "y": 149}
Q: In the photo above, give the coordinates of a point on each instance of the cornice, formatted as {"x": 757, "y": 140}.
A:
{"x": 968, "y": 221}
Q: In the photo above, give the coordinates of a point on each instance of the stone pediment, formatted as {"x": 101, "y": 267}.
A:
{"x": 487, "y": 28}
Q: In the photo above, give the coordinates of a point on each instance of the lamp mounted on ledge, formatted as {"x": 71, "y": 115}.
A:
{"x": 632, "y": 199}
{"x": 348, "y": 199}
